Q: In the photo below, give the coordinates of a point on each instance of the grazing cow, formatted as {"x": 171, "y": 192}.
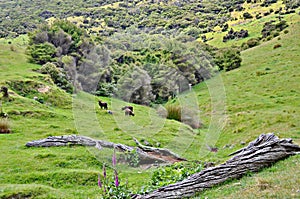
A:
{"x": 129, "y": 112}
{"x": 129, "y": 107}
{"x": 102, "y": 105}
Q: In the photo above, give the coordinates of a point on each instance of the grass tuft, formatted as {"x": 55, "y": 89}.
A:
{"x": 4, "y": 126}
{"x": 173, "y": 112}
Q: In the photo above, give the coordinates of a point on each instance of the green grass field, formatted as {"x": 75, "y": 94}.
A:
{"x": 260, "y": 97}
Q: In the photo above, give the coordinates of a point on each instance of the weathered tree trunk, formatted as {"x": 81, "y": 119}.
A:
{"x": 264, "y": 151}
{"x": 147, "y": 155}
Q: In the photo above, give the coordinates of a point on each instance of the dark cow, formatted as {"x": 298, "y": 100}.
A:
{"x": 102, "y": 105}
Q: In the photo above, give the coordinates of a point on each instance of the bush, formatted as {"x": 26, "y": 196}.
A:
{"x": 228, "y": 59}
{"x": 271, "y": 29}
{"x": 276, "y": 46}
{"x": 41, "y": 53}
{"x": 235, "y": 34}
{"x": 171, "y": 174}
{"x": 106, "y": 89}
{"x": 247, "y": 15}
{"x": 57, "y": 75}
{"x": 252, "y": 42}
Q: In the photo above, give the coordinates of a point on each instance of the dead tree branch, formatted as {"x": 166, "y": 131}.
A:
{"x": 146, "y": 155}
{"x": 262, "y": 152}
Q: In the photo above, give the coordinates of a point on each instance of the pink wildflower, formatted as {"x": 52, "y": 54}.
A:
{"x": 116, "y": 179}
{"x": 99, "y": 181}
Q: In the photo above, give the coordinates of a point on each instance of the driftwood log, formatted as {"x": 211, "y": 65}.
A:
{"x": 262, "y": 152}
{"x": 147, "y": 155}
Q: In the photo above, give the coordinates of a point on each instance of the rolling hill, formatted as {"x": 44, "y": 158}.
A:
{"x": 261, "y": 96}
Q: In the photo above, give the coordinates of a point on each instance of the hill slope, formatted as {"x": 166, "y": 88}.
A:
{"x": 262, "y": 96}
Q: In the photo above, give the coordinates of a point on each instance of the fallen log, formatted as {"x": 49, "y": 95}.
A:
{"x": 146, "y": 155}
{"x": 158, "y": 151}
{"x": 262, "y": 152}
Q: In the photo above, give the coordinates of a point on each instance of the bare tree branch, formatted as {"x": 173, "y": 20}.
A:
{"x": 262, "y": 152}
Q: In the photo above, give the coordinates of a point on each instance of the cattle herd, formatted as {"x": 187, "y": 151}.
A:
{"x": 128, "y": 110}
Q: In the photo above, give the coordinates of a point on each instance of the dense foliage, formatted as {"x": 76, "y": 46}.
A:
{"x": 235, "y": 34}
{"x": 106, "y": 17}
{"x": 164, "y": 176}
{"x": 133, "y": 65}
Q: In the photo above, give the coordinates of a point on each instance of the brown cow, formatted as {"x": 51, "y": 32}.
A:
{"x": 128, "y": 112}
{"x": 129, "y": 107}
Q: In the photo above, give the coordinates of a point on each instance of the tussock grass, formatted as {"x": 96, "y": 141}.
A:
{"x": 174, "y": 112}
{"x": 4, "y": 126}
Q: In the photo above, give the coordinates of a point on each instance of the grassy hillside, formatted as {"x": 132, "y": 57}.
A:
{"x": 68, "y": 172}
{"x": 261, "y": 97}
{"x": 254, "y": 26}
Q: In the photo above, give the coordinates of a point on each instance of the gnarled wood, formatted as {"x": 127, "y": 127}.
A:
{"x": 262, "y": 152}
{"x": 158, "y": 151}
{"x": 147, "y": 156}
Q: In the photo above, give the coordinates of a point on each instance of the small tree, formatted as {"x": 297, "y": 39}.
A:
{"x": 228, "y": 59}
{"x": 42, "y": 53}
{"x": 57, "y": 75}
{"x": 135, "y": 86}
{"x": 247, "y": 15}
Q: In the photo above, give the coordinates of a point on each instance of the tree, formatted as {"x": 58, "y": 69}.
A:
{"x": 228, "y": 59}
{"x": 42, "y": 53}
{"x": 135, "y": 86}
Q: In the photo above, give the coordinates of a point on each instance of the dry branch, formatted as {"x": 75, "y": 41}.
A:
{"x": 158, "y": 151}
{"x": 147, "y": 155}
{"x": 262, "y": 152}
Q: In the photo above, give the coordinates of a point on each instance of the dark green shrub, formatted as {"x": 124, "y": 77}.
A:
{"x": 258, "y": 16}
{"x": 41, "y": 53}
{"x": 171, "y": 174}
{"x": 106, "y": 89}
{"x": 57, "y": 75}
{"x": 228, "y": 59}
{"x": 247, "y": 15}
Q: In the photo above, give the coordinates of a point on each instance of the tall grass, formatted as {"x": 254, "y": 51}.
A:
{"x": 173, "y": 112}
{"x": 4, "y": 126}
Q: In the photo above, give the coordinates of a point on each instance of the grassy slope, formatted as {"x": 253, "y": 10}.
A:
{"x": 257, "y": 101}
{"x": 262, "y": 100}
{"x": 68, "y": 172}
